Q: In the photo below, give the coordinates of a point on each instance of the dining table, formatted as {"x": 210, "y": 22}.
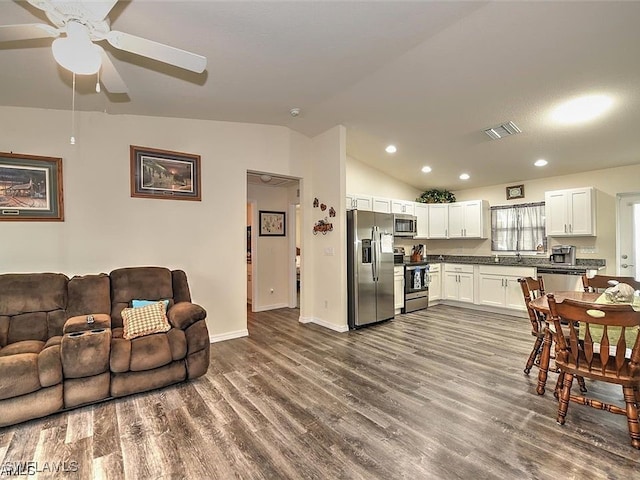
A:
{"x": 541, "y": 305}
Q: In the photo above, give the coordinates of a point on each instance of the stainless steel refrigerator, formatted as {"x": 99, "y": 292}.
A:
{"x": 369, "y": 267}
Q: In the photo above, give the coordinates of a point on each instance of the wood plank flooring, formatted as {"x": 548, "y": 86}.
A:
{"x": 434, "y": 394}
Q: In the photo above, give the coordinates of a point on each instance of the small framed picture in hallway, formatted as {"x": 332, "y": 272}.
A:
{"x": 272, "y": 224}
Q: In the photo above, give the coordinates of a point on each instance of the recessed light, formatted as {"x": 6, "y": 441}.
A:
{"x": 391, "y": 149}
{"x": 540, "y": 163}
{"x": 426, "y": 169}
{"x": 581, "y": 109}
{"x": 465, "y": 176}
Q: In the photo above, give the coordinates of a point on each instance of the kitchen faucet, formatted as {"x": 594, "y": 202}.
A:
{"x": 518, "y": 257}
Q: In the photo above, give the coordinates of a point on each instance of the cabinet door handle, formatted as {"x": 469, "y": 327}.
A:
{"x": 445, "y": 232}
{"x": 565, "y": 228}
{"x": 570, "y": 228}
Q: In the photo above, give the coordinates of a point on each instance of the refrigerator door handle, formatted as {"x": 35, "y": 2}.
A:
{"x": 378, "y": 252}
{"x": 374, "y": 254}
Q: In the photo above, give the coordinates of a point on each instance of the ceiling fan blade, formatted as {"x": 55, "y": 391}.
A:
{"x": 27, "y": 31}
{"x": 158, "y": 51}
{"x": 109, "y": 76}
{"x": 98, "y": 9}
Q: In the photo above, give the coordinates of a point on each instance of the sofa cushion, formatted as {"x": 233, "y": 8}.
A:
{"x": 18, "y": 374}
{"x": 32, "y": 292}
{"x": 144, "y": 303}
{"x": 138, "y": 322}
{"x": 27, "y": 346}
{"x": 89, "y": 294}
{"x": 150, "y": 352}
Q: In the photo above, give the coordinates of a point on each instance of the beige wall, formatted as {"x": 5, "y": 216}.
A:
{"x": 366, "y": 180}
{"x": 105, "y": 228}
{"x": 608, "y": 183}
{"x": 324, "y": 257}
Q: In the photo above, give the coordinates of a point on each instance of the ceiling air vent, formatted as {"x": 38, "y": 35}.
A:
{"x": 502, "y": 131}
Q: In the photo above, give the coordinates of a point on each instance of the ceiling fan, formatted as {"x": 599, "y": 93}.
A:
{"x": 80, "y": 23}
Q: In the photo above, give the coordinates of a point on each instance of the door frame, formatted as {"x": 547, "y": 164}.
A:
{"x": 293, "y": 291}
{"x": 619, "y": 198}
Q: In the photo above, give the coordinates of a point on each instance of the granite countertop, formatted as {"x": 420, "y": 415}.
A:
{"x": 541, "y": 262}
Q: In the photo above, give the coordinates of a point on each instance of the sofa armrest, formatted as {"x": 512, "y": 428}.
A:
{"x": 184, "y": 314}
{"x": 79, "y": 323}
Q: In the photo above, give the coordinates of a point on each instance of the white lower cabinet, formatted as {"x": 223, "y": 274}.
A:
{"x": 458, "y": 282}
{"x": 435, "y": 282}
{"x": 398, "y": 288}
{"x": 498, "y": 286}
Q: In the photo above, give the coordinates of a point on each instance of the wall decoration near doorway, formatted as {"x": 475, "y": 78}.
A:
{"x": 164, "y": 174}
{"x": 30, "y": 188}
{"x": 272, "y": 224}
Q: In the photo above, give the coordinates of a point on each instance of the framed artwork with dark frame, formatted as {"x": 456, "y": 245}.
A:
{"x": 164, "y": 174}
{"x": 515, "y": 191}
{"x": 30, "y": 188}
{"x": 272, "y": 224}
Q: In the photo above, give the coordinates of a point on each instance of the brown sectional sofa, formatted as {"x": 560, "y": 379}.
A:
{"x": 52, "y": 359}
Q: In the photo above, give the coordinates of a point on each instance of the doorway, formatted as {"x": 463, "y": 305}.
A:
{"x": 628, "y": 248}
{"x": 273, "y": 259}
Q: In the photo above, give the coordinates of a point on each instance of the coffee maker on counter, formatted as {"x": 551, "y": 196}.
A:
{"x": 563, "y": 255}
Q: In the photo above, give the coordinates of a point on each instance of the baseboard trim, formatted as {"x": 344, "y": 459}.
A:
{"x": 275, "y": 306}
{"x": 221, "y": 337}
{"x": 325, "y": 324}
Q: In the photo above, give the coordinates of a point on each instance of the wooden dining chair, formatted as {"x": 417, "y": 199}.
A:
{"x": 599, "y": 283}
{"x": 603, "y": 344}
{"x": 533, "y": 288}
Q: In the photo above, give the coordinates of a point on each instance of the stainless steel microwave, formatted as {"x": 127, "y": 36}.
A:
{"x": 404, "y": 225}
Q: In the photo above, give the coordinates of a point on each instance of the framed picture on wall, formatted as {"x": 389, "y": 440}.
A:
{"x": 164, "y": 174}
{"x": 272, "y": 224}
{"x": 30, "y": 188}
{"x": 515, "y": 191}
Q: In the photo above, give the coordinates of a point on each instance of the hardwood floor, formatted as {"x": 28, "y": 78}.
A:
{"x": 434, "y": 394}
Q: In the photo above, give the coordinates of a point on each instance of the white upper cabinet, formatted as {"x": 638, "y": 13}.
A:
{"x": 422, "y": 215}
{"x": 466, "y": 219}
{"x": 571, "y": 213}
{"x": 403, "y": 206}
{"x": 438, "y": 220}
{"x": 359, "y": 202}
{"x": 381, "y": 205}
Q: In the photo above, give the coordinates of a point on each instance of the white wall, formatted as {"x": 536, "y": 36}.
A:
{"x": 366, "y": 180}
{"x": 324, "y": 257}
{"x": 608, "y": 183}
{"x": 105, "y": 228}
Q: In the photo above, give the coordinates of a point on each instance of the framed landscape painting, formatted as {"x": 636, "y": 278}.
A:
{"x": 30, "y": 188}
{"x": 164, "y": 174}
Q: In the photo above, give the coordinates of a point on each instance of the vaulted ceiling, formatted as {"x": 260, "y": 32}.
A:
{"x": 428, "y": 77}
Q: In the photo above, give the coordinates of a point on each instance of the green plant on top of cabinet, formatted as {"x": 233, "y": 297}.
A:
{"x": 571, "y": 213}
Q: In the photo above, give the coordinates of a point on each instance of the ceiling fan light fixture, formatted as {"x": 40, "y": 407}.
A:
{"x": 76, "y": 52}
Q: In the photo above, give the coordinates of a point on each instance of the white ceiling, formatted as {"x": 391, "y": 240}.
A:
{"x": 426, "y": 76}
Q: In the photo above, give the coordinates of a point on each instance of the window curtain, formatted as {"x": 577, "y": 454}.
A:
{"x": 518, "y": 227}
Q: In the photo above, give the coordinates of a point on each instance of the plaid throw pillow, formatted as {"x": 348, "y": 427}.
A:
{"x": 144, "y": 320}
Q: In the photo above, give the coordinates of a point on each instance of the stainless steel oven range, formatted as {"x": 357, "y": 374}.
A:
{"x": 416, "y": 286}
